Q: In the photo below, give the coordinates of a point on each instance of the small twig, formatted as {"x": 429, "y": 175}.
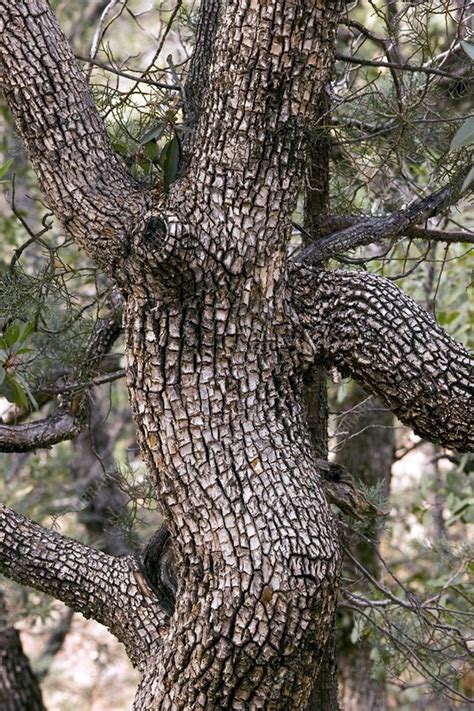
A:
{"x": 127, "y": 75}
{"x": 394, "y": 65}
{"x": 77, "y": 387}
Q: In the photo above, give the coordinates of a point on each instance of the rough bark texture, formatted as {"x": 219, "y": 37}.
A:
{"x": 111, "y": 590}
{"x": 217, "y": 349}
{"x": 367, "y": 327}
{"x": 19, "y": 688}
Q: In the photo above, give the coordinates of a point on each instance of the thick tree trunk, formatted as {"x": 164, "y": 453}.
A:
{"x": 19, "y": 688}
{"x": 219, "y": 339}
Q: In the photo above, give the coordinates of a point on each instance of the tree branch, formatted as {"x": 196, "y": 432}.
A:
{"x": 394, "y": 65}
{"x": 126, "y": 74}
{"x": 365, "y": 325}
{"x": 328, "y": 224}
{"x": 85, "y": 184}
{"x": 111, "y": 590}
{"x": 39, "y": 435}
{"x": 66, "y": 424}
{"x": 374, "y": 229}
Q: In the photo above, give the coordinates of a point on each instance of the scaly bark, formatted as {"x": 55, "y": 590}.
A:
{"x": 366, "y": 326}
{"x": 216, "y": 358}
{"x": 111, "y": 590}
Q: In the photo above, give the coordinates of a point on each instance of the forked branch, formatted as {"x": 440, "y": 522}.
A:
{"x": 366, "y": 326}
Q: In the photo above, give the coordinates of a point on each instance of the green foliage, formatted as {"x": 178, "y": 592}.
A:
{"x": 169, "y": 161}
{"x": 12, "y": 346}
{"x": 4, "y": 170}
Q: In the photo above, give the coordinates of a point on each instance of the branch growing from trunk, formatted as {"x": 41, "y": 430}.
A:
{"x": 111, "y": 590}
{"x": 365, "y": 325}
{"x": 85, "y": 184}
{"x": 67, "y": 424}
{"x": 328, "y": 224}
{"x": 374, "y": 229}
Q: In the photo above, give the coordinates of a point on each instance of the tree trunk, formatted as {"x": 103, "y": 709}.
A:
{"x": 221, "y": 330}
{"x": 19, "y": 688}
{"x": 325, "y": 688}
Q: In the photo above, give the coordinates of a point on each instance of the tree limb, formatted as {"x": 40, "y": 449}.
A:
{"x": 373, "y": 229}
{"x": 39, "y": 435}
{"x": 19, "y": 687}
{"x": 394, "y": 65}
{"x": 18, "y": 437}
{"x": 85, "y": 184}
{"x": 198, "y": 77}
{"x": 126, "y": 74}
{"x": 328, "y": 224}
{"x": 365, "y": 325}
{"x": 111, "y": 590}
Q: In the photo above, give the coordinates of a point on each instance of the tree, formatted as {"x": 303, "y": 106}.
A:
{"x": 221, "y": 329}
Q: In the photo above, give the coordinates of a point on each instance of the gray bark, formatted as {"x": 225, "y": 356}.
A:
{"x": 366, "y": 326}
{"x": 219, "y": 339}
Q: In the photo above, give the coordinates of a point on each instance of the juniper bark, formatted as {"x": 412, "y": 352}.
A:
{"x": 220, "y": 332}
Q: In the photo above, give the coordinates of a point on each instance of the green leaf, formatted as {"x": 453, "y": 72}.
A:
{"x": 5, "y": 167}
{"x": 468, "y": 180}
{"x": 468, "y": 47}
{"x": 12, "y": 334}
{"x": 120, "y": 147}
{"x": 169, "y": 161}
{"x": 26, "y": 329}
{"x": 151, "y": 150}
{"x": 464, "y": 136}
{"x": 153, "y": 134}
{"x": 27, "y": 392}
{"x": 2, "y": 374}
{"x": 13, "y": 392}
